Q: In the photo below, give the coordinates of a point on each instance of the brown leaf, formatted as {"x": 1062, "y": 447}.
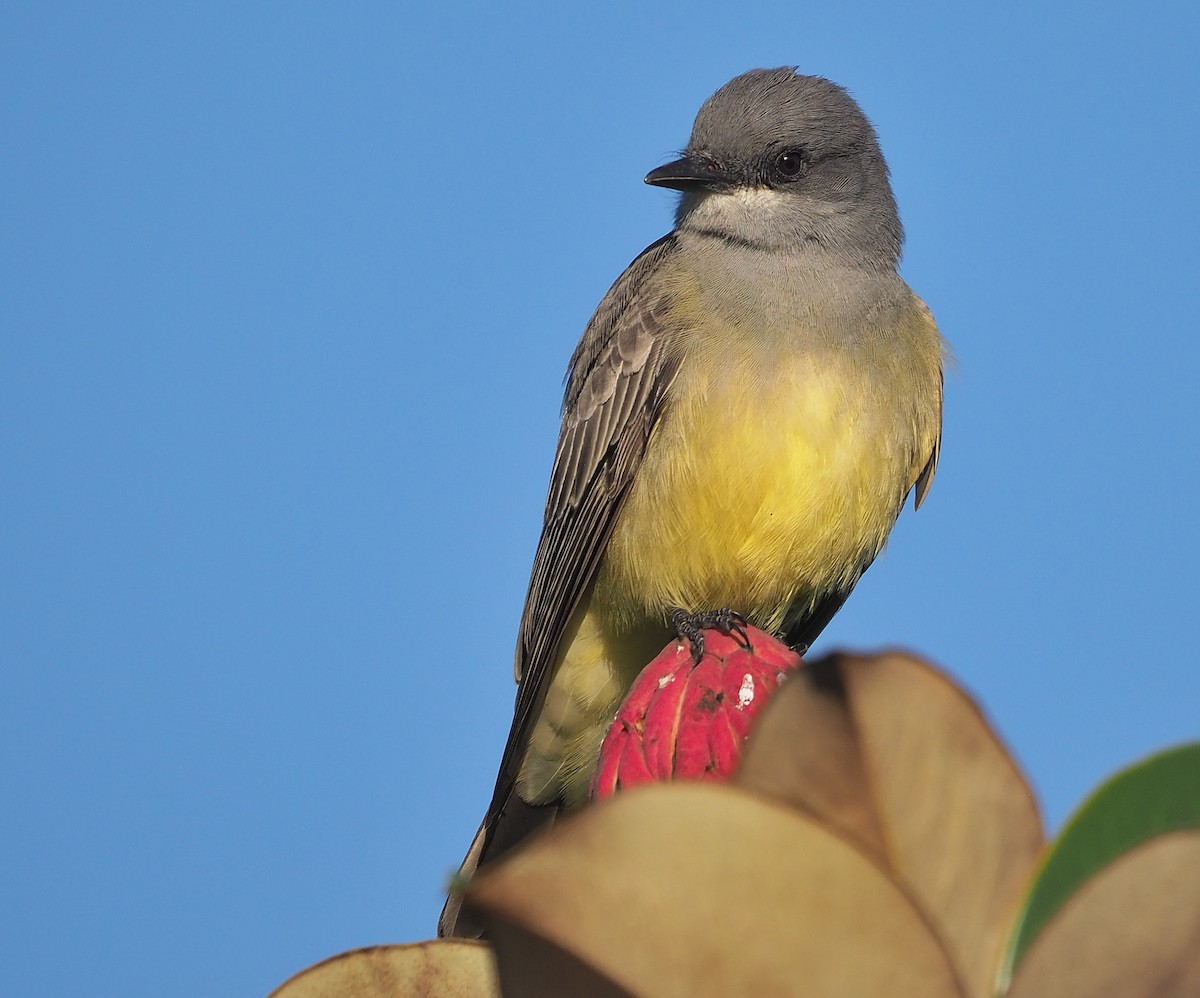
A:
{"x": 441, "y": 968}
{"x": 804, "y": 752}
{"x": 1132, "y": 930}
{"x": 701, "y": 889}
{"x": 533, "y": 967}
{"x": 889, "y": 752}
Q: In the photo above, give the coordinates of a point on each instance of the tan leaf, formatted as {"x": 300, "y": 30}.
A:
{"x": 440, "y": 968}
{"x": 1132, "y": 930}
{"x": 701, "y": 889}
{"x": 533, "y": 967}
{"x": 888, "y": 751}
{"x": 804, "y": 751}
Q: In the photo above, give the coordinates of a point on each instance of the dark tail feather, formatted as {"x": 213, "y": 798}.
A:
{"x": 502, "y": 829}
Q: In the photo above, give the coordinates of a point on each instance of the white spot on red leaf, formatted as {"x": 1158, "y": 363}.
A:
{"x": 746, "y": 692}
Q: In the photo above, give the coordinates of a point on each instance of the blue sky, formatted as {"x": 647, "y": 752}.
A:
{"x": 288, "y": 292}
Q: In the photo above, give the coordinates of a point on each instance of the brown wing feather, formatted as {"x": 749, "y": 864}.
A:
{"x": 616, "y": 382}
{"x": 615, "y": 386}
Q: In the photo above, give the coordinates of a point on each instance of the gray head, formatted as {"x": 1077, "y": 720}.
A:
{"x": 781, "y": 161}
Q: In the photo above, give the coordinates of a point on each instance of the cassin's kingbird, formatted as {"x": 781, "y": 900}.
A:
{"x": 746, "y": 412}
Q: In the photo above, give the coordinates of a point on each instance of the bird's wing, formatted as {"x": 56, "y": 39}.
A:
{"x": 925, "y": 479}
{"x": 616, "y": 382}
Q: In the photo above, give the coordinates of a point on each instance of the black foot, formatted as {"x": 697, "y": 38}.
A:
{"x": 691, "y": 626}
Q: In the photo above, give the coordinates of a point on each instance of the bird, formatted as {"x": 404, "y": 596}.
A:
{"x": 744, "y": 417}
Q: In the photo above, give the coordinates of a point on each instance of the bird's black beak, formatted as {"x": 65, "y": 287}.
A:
{"x": 690, "y": 173}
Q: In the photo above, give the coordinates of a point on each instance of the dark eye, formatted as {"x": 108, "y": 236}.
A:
{"x": 789, "y": 164}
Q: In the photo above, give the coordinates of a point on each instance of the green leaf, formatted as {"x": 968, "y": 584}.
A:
{"x": 1129, "y": 930}
{"x": 1153, "y": 798}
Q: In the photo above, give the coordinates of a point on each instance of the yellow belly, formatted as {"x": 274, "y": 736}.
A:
{"x": 760, "y": 494}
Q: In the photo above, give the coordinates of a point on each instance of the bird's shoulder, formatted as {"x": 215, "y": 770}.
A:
{"x": 616, "y": 330}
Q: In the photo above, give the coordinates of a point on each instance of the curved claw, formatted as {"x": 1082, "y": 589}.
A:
{"x": 690, "y": 626}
